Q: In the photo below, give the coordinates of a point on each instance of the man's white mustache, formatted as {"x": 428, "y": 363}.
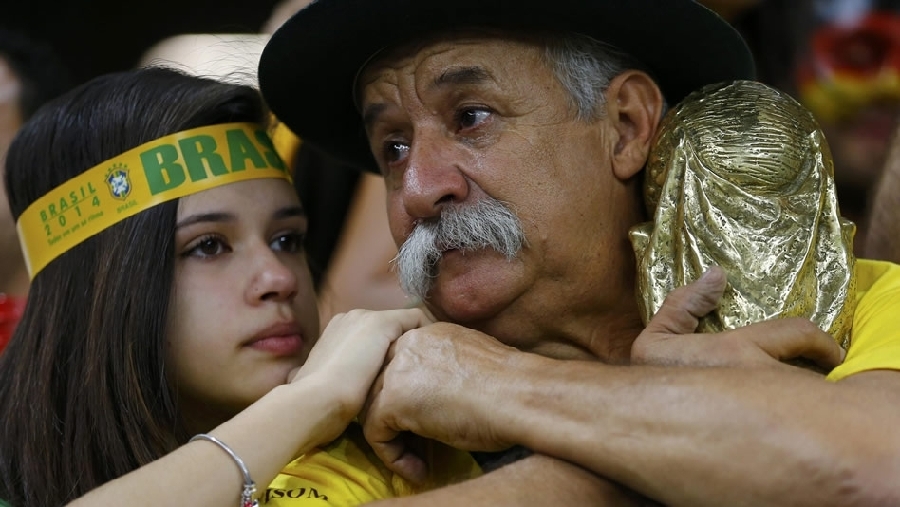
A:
{"x": 489, "y": 223}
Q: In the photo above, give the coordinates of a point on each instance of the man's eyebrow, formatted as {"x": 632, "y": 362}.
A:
{"x": 462, "y": 76}
{"x": 205, "y": 217}
{"x": 371, "y": 114}
{"x": 473, "y": 75}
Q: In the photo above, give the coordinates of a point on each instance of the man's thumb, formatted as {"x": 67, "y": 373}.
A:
{"x": 681, "y": 311}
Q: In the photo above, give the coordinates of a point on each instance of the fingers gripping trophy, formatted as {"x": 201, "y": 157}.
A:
{"x": 741, "y": 176}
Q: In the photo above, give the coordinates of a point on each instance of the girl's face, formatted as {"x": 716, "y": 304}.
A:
{"x": 243, "y": 310}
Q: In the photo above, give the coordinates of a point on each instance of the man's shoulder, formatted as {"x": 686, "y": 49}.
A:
{"x": 871, "y": 272}
{"x": 875, "y": 337}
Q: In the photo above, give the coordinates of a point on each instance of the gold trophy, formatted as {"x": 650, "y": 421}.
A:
{"x": 740, "y": 176}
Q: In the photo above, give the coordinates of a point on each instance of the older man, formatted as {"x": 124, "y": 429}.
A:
{"x": 512, "y": 136}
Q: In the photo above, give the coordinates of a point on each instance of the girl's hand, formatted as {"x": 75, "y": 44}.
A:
{"x": 350, "y": 353}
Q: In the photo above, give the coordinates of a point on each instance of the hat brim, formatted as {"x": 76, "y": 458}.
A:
{"x": 308, "y": 68}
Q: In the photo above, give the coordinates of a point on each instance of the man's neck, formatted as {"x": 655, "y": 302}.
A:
{"x": 604, "y": 336}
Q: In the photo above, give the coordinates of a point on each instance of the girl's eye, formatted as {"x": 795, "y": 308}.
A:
{"x": 207, "y": 247}
{"x": 395, "y": 151}
{"x": 469, "y": 118}
{"x": 288, "y": 243}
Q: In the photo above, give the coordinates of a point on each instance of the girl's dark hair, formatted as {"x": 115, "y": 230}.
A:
{"x": 83, "y": 385}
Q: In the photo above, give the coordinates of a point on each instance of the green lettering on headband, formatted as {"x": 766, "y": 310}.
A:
{"x": 173, "y": 166}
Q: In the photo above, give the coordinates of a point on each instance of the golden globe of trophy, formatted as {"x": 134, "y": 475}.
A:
{"x": 740, "y": 176}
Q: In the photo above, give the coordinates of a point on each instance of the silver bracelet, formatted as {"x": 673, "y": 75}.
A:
{"x": 247, "y": 499}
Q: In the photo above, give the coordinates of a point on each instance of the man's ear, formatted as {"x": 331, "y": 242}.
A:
{"x": 634, "y": 105}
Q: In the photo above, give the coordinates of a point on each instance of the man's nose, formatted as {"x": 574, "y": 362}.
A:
{"x": 433, "y": 177}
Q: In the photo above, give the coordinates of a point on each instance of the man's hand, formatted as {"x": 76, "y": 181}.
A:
{"x": 434, "y": 384}
{"x": 670, "y": 338}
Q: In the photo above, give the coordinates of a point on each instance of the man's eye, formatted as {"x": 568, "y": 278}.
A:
{"x": 288, "y": 243}
{"x": 395, "y": 151}
{"x": 468, "y": 118}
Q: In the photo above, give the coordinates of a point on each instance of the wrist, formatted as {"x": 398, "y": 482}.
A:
{"x": 547, "y": 398}
{"x": 298, "y": 413}
{"x": 322, "y": 404}
{"x": 511, "y": 410}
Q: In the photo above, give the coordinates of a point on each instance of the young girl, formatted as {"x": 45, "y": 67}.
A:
{"x": 166, "y": 349}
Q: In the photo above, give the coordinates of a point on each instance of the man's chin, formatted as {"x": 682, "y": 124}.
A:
{"x": 462, "y": 314}
{"x": 465, "y": 304}
{"x": 474, "y": 287}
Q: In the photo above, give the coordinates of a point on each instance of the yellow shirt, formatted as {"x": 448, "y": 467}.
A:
{"x": 875, "y": 336}
{"x": 347, "y": 473}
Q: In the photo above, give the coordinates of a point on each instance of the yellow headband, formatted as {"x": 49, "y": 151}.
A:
{"x": 286, "y": 143}
{"x": 174, "y": 166}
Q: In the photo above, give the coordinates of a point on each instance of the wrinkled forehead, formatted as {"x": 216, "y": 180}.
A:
{"x": 473, "y": 47}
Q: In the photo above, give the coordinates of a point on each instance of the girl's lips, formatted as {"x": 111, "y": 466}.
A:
{"x": 282, "y": 339}
{"x": 286, "y": 345}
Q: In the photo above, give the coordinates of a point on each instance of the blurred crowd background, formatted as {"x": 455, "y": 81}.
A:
{"x": 94, "y": 37}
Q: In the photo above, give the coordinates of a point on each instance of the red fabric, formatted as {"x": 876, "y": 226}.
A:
{"x": 10, "y": 312}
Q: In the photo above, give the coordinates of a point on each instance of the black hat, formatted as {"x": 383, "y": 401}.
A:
{"x": 308, "y": 68}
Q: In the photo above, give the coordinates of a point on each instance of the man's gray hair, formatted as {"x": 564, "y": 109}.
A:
{"x": 585, "y": 67}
